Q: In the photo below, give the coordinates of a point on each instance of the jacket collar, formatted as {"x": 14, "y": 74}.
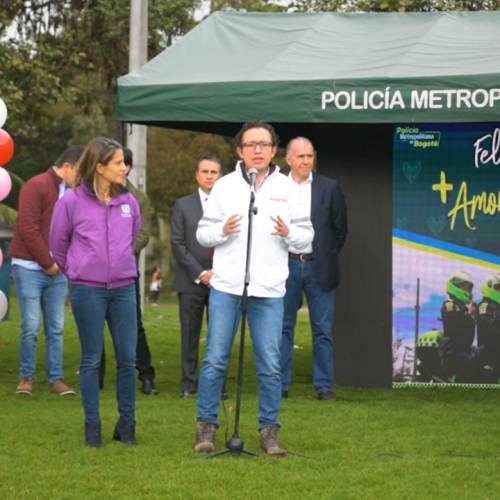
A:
{"x": 273, "y": 168}
{"x": 55, "y": 178}
{"x": 88, "y": 189}
{"x": 197, "y": 205}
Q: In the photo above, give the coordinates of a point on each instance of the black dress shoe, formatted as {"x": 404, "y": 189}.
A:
{"x": 148, "y": 387}
{"x": 124, "y": 432}
{"x": 93, "y": 434}
{"x": 185, "y": 394}
{"x": 327, "y": 396}
{"x": 284, "y": 394}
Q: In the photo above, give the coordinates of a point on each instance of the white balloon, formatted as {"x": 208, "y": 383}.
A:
{"x": 3, "y": 113}
{"x": 4, "y": 305}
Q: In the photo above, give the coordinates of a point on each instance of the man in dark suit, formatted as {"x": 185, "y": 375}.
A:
{"x": 194, "y": 267}
{"x": 315, "y": 271}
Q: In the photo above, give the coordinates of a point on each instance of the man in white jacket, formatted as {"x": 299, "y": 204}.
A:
{"x": 282, "y": 220}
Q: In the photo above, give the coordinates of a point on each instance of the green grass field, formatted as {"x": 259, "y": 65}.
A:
{"x": 370, "y": 444}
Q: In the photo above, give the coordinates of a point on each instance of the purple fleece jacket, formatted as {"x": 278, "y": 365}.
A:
{"x": 93, "y": 243}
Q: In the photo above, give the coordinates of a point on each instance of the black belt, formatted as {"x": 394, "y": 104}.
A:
{"x": 301, "y": 256}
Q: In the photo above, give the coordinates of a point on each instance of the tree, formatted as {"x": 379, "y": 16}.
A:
{"x": 171, "y": 161}
{"x": 50, "y": 43}
{"x": 246, "y": 6}
{"x": 392, "y": 5}
{"x": 59, "y": 62}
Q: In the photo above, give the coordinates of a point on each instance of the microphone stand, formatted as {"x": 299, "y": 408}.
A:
{"x": 235, "y": 444}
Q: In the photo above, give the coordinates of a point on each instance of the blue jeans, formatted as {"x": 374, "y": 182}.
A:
{"x": 265, "y": 317}
{"x": 36, "y": 290}
{"x": 303, "y": 277}
{"x": 91, "y": 308}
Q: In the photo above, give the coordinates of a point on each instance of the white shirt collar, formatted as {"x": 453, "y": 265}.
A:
{"x": 309, "y": 179}
{"x": 203, "y": 199}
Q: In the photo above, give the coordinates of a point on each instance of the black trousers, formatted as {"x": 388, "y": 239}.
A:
{"x": 191, "y": 309}
{"x": 142, "y": 353}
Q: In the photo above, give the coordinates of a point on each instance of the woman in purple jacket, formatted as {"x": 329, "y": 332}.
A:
{"x": 92, "y": 236}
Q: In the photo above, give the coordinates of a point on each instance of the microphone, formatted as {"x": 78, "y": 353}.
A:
{"x": 252, "y": 174}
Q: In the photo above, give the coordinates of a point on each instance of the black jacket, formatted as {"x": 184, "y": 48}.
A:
{"x": 458, "y": 325}
{"x": 192, "y": 259}
{"x": 329, "y": 219}
{"x": 488, "y": 327}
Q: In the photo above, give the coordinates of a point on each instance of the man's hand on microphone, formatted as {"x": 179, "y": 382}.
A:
{"x": 232, "y": 224}
{"x": 281, "y": 229}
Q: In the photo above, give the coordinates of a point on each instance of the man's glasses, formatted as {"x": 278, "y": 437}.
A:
{"x": 264, "y": 145}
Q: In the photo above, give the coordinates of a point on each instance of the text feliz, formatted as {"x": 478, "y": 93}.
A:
{"x": 486, "y": 150}
{"x": 418, "y": 99}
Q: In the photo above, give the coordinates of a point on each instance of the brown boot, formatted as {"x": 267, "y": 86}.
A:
{"x": 60, "y": 387}
{"x": 25, "y": 386}
{"x": 327, "y": 396}
{"x": 269, "y": 441}
{"x": 205, "y": 436}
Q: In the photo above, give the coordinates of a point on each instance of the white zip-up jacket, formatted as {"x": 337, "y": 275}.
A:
{"x": 278, "y": 195}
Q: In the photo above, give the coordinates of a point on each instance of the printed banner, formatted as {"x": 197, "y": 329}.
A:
{"x": 446, "y": 254}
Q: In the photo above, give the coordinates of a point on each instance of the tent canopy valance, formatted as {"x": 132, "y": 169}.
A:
{"x": 323, "y": 68}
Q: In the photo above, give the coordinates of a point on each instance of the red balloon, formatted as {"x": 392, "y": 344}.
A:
{"x": 6, "y": 147}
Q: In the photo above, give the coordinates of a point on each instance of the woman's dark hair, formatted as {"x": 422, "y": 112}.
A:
{"x": 128, "y": 157}
{"x": 99, "y": 150}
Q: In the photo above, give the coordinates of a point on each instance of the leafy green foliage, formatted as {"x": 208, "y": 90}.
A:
{"x": 51, "y": 43}
{"x": 7, "y": 215}
{"x": 392, "y": 5}
{"x": 171, "y": 161}
{"x": 59, "y": 62}
{"x": 246, "y": 6}
{"x": 170, "y": 20}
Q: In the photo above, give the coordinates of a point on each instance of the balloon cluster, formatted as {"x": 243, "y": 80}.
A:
{"x": 6, "y": 152}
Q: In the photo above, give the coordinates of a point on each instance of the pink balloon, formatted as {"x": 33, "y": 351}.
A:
{"x": 1, "y": 257}
{"x": 5, "y": 183}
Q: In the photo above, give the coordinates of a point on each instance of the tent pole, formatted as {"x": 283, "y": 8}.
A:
{"x": 136, "y": 134}
{"x": 119, "y": 132}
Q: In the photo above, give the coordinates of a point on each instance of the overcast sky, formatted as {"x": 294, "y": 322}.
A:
{"x": 202, "y": 11}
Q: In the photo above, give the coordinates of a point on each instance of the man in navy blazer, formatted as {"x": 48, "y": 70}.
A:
{"x": 314, "y": 271}
{"x": 194, "y": 267}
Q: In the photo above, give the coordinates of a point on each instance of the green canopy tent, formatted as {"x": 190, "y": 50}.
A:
{"x": 323, "y": 68}
{"x": 342, "y": 80}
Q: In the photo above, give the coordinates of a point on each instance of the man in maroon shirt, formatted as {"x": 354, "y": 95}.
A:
{"x": 39, "y": 282}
